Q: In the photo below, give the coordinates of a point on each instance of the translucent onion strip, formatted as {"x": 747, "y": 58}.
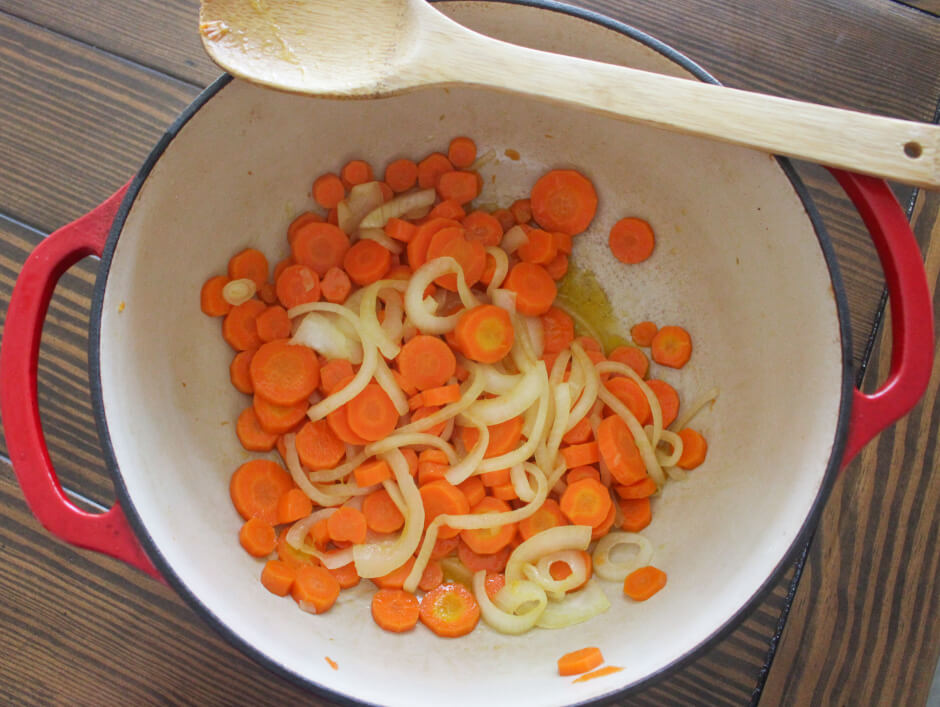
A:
{"x": 520, "y": 483}
{"x": 378, "y": 559}
{"x": 541, "y": 573}
{"x": 606, "y": 568}
{"x": 384, "y": 377}
{"x": 300, "y": 476}
{"x": 559, "y": 424}
{"x": 519, "y": 595}
{"x": 398, "y": 207}
{"x": 675, "y": 442}
{"x": 592, "y": 384}
{"x": 411, "y": 439}
{"x": 369, "y": 321}
{"x": 327, "y": 337}
{"x": 380, "y": 237}
{"x": 536, "y": 436}
{"x": 415, "y": 308}
{"x": 465, "y": 468}
{"x": 655, "y": 408}
{"x": 501, "y": 270}
{"x": 362, "y": 200}
{"x": 694, "y": 409}
{"x": 513, "y": 239}
{"x": 563, "y": 537}
{"x": 639, "y": 435}
{"x": 492, "y": 411}
{"x": 324, "y": 476}
{"x": 575, "y": 608}
{"x": 297, "y": 539}
{"x": 239, "y": 291}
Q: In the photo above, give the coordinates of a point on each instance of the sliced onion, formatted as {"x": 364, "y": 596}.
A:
{"x": 492, "y": 411}
{"x": 297, "y": 539}
{"x": 411, "y": 439}
{"x": 575, "y": 608}
{"x": 606, "y": 568}
{"x": 521, "y": 594}
{"x": 541, "y": 573}
{"x": 559, "y": 425}
{"x": 394, "y": 321}
{"x": 674, "y": 441}
{"x": 300, "y": 476}
{"x": 501, "y": 270}
{"x": 428, "y": 322}
{"x": 639, "y": 435}
{"x": 536, "y": 435}
{"x": 239, "y": 291}
{"x": 592, "y": 384}
{"x": 320, "y": 333}
{"x": 494, "y": 380}
{"x": 471, "y": 391}
{"x": 378, "y": 559}
{"x": 504, "y": 299}
{"x": 379, "y": 236}
{"x": 655, "y": 408}
{"x": 463, "y": 470}
{"x": 325, "y": 476}
{"x": 520, "y": 483}
{"x": 536, "y": 332}
{"x": 362, "y": 200}
{"x": 384, "y": 377}
{"x": 372, "y": 331}
{"x": 562, "y": 537}
{"x": 398, "y": 207}
{"x": 513, "y": 239}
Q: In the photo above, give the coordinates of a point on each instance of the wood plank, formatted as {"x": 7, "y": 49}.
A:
{"x": 75, "y": 122}
{"x": 856, "y": 633}
{"x": 931, "y": 6}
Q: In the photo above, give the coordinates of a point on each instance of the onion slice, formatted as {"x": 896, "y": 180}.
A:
{"x": 398, "y": 207}
{"x": 575, "y": 608}
{"x": 606, "y": 568}
{"x": 518, "y": 595}
{"x": 563, "y": 537}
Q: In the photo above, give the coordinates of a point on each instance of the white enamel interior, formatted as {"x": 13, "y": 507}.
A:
{"x": 737, "y": 263}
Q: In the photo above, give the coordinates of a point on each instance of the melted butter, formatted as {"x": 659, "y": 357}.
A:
{"x": 580, "y": 292}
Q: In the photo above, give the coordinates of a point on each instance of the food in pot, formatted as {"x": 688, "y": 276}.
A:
{"x": 443, "y": 430}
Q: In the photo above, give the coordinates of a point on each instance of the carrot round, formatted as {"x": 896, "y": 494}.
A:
{"x": 628, "y": 392}
{"x": 335, "y": 285}
{"x": 631, "y": 240}
{"x": 240, "y": 326}
{"x": 338, "y": 420}
{"x": 334, "y": 372}
{"x": 643, "y": 583}
{"x": 293, "y": 505}
{"x": 668, "y": 399}
{"x": 450, "y": 610}
{"x": 694, "y": 448}
{"x": 470, "y": 255}
{"x": 558, "y": 267}
{"x": 256, "y": 487}
{"x": 426, "y": 362}
{"x": 367, "y": 261}
{"x": 382, "y": 515}
{"x": 315, "y": 589}
{"x": 563, "y": 200}
{"x": 448, "y": 208}
{"x": 582, "y": 472}
{"x": 251, "y": 434}
{"x": 580, "y": 433}
{"x": 483, "y": 227}
{"x": 586, "y": 502}
{"x": 423, "y": 412}
{"x": 401, "y": 174}
{"x": 490, "y": 562}
{"x": 273, "y": 323}
{"x": 619, "y": 451}
{"x": 278, "y": 419}
{"x": 396, "y": 578}
{"x": 485, "y": 333}
{"x": 302, "y": 219}
{"x": 549, "y": 515}
{"x": 535, "y": 290}
{"x": 284, "y": 374}
{"x": 403, "y": 231}
{"x": 238, "y": 372}
{"x": 432, "y": 576}
{"x": 487, "y": 541}
{"x": 643, "y": 333}
{"x": 521, "y": 210}
{"x": 318, "y": 446}
{"x": 210, "y": 297}
{"x": 672, "y": 346}
{"x": 395, "y": 610}
{"x": 462, "y": 152}
{"x": 297, "y": 284}
{"x": 440, "y": 497}
{"x": 431, "y": 168}
{"x": 356, "y": 172}
{"x": 601, "y": 529}
{"x": 639, "y": 489}
{"x": 637, "y": 513}
{"x": 372, "y": 414}
{"x": 320, "y": 246}
{"x": 257, "y": 537}
{"x": 462, "y": 187}
{"x": 633, "y": 357}
{"x": 539, "y": 249}
{"x": 372, "y": 472}
{"x": 347, "y": 524}
{"x": 347, "y": 576}
{"x": 278, "y": 577}
{"x": 580, "y": 661}
{"x": 581, "y": 454}
{"x": 250, "y": 263}
{"x": 417, "y": 248}
{"x": 328, "y": 190}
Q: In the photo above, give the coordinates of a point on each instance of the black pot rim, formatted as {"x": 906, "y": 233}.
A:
{"x": 166, "y": 569}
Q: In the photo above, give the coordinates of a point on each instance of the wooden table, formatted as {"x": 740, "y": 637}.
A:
{"x": 86, "y": 89}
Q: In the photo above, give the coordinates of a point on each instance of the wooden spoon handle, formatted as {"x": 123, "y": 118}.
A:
{"x": 903, "y": 150}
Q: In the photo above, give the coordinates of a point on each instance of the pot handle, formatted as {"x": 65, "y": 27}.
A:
{"x": 109, "y": 532}
{"x": 911, "y": 312}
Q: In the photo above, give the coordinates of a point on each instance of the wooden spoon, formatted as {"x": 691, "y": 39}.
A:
{"x": 371, "y": 48}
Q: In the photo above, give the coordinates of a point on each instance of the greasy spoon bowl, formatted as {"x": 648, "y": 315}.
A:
{"x": 743, "y": 263}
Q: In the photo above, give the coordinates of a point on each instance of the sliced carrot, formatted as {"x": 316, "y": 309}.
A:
{"x": 318, "y": 446}
{"x": 320, "y": 246}
{"x": 586, "y": 502}
{"x": 490, "y": 562}
{"x": 293, "y": 505}
{"x": 328, "y": 190}
{"x": 672, "y": 346}
{"x": 426, "y": 362}
{"x": 563, "y": 200}
{"x": 395, "y": 610}
{"x": 539, "y": 249}
{"x": 346, "y": 576}
{"x": 240, "y": 328}
{"x": 504, "y": 492}
{"x": 334, "y": 372}
{"x": 619, "y": 451}
{"x": 580, "y": 433}
{"x": 636, "y": 512}
{"x": 291, "y": 556}
{"x": 429, "y": 471}
{"x": 400, "y": 230}
{"x": 417, "y": 248}
{"x": 462, "y": 187}
{"x": 493, "y": 583}
{"x": 382, "y": 515}
{"x": 442, "y": 395}
{"x": 631, "y": 240}
{"x": 372, "y": 415}
{"x": 599, "y": 673}
{"x": 278, "y": 419}
{"x": 396, "y": 578}
{"x": 347, "y": 524}
{"x": 558, "y": 267}
{"x": 278, "y": 577}
{"x": 238, "y": 372}
{"x": 335, "y": 285}
{"x": 495, "y": 478}
{"x": 315, "y": 589}
{"x": 303, "y": 218}
{"x": 643, "y": 333}
{"x": 251, "y": 264}
{"x": 423, "y": 412}
{"x": 627, "y": 391}
{"x": 372, "y": 472}
{"x": 643, "y": 583}
{"x": 639, "y": 489}
{"x": 487, "y": 541}
{"x": 320, "y": 533}
{"x": 601, "y": 529}
{"x": 450, "y": 610}
{"x": 668, "y": 399}
{"x": 485, "y": 333}
{"x": 582, "y": 472}
{"x": 505, "y": 218}
{"x": 284, "y": 373}
{"x": 590, "y": 344}
{"x": 356, "y": 172}
{"x": 442, "y": 497}
{"x": 549, "y": 515}
{"x": 251, "y": 434}
{"x": 483, "y": 227}
{"x": 273, "y": 323}
{"x": 462, "y": 152}
{"x": 580, "y": 661}
{"x": 267, "y": 293}
{"x": 431, "y": 168}
{"x": 256, "y": 487}
{"x": 521, "y": 210}
{"x": 211, "y": 300}
{"x": 535, "y": 290}
{"x": 444, "y": 547}
{"x": 367, "y": 261}
{"x": 432, "y": 576}
{"x": 448, "y": 208}
{"x": 401, "y": 174}
{"x": 473, "y": 489}
{"x": 633, "y": 357}
{"x": 297, "y": 284}
{"x": 338, "y": 420}
{"x": 257, "y": 537}
{"x": 504, "y": 437}
{"x": 563, "y": 242}
{"x": 581, "y": 454}
{"x": 470, "y": 255}
{"x": 694, "y": 448}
